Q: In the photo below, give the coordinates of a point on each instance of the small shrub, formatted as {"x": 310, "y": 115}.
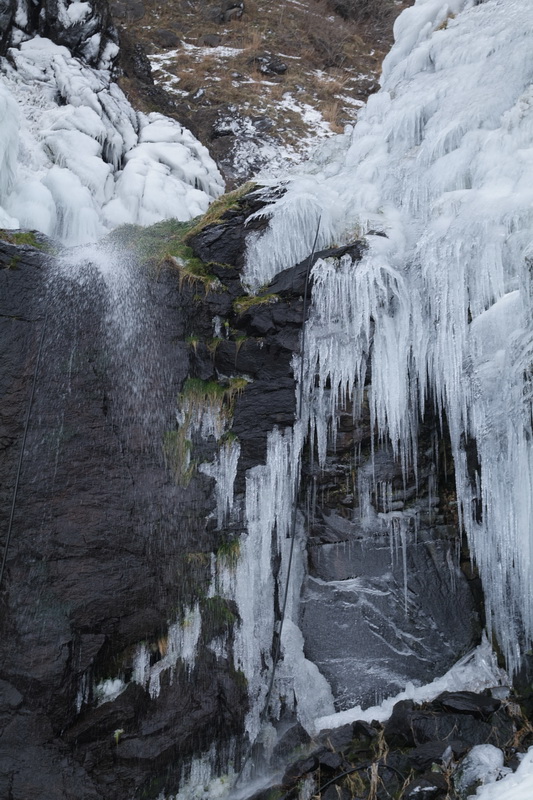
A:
{"x": 217, "y": 209}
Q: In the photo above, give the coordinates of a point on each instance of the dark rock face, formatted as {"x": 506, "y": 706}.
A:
{"x": 99, "y": 539}
{"x": 129, "y": 10}
{"x": 385, "y": 600}
{"x": 7, "y": 12}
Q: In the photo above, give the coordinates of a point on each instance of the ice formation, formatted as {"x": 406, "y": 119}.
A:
{"x": 516, "y": 786}
{"x": 224, "y": 470}
{"x": 483, "y": 764}
{"x": 180, "y": 644}
{"x": 76, "y": 160}
{"x": 474, "y": 672}
{"x": 437, "y": 174}
{"x": 270, "y": 498}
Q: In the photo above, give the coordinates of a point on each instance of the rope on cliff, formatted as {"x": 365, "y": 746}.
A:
{"x": 23, "y": 447}
{"x": 277, "y": 644}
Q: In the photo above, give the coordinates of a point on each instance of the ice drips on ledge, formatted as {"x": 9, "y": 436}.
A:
{"x": 76, "y": 160}
{"x": 438, "y": 173}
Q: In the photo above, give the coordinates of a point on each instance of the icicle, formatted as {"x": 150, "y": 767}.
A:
{"x": 224, "y": 471}
{"x": 181, "y": 643}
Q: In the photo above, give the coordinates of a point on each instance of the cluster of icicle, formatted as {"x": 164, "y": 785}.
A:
{"x": 76, "y": 160}
{"x": 438, "y": 174}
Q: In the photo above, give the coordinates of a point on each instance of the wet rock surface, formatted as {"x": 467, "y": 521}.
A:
{"x": 99, "y": 539}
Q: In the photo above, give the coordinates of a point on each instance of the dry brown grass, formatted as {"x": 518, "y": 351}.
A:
{"x": 332, "y": 112}
{"x": 309, "y": 37}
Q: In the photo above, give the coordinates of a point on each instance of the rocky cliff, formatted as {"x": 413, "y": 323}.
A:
{"x": 112, "y": 664}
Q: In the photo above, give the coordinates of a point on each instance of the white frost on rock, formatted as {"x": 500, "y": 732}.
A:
{"x": 76, "y": 160}
{"x": 269, "y": 507}
{"x": 438, "y": 173}
{"x": 224, "y": 470}
{"x": 108, "y": 690}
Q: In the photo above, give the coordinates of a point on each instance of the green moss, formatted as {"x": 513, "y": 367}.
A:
{"x": 197, "y": 559}
{"x": 193, "y": 340}
{"x": 198, "y": 395}
{"x": 163, "y": 243}
{"x": 239, "y": 678}
{"x": 216, "y": 613}
{"x": 213, "y": 393}
{"x": 166, "y": 241}
{"x": 216, "y": 210}
{"x": 229, "y": 438}
{"x": 242, "y": 304}
{"x": 213, "y": 344}
{"x": 28, "y": 238}
{"x": 153, "y": 243}
{"x": 193, "y": 270}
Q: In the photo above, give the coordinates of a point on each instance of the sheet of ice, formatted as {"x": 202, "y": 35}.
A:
{"x": 474, "y": 672}
{"x": 516, "y": 786}
{"x": 108, "y": 690}
{"x": 440, "y": 165}
{"x": 259, "y": 573}
{"x": 76, "y": 159}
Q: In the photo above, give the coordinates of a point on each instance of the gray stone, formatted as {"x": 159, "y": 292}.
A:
{"x": 165, "y": 38}
{"x": 210, "y": 40}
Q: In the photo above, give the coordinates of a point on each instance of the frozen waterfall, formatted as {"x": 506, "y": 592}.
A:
{"x": 437, "y": 174}
{"x": 76, "y": 160}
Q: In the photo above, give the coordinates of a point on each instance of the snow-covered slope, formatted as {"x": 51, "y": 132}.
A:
{"x": 440, "y": 164}
{"x": 76, "y": 159}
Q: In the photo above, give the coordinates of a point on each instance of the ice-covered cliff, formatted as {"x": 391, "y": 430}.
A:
{"x": 437, "y": 174}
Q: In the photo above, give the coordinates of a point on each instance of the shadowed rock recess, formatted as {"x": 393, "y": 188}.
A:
{"x": 111, "y": 547}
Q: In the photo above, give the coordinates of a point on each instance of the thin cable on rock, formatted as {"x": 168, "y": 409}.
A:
{"x": 22, "y": 448}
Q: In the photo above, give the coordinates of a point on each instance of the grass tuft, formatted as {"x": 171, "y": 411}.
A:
{"x": 242, "y": 304}
{"x": 217, "y": 209}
